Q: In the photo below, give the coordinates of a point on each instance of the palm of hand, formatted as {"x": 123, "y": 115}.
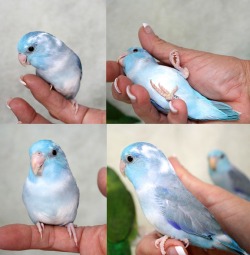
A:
{"x": 220, "y": 78}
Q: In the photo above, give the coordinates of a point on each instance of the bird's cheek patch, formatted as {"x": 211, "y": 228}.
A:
{"x": 37, "y": 161}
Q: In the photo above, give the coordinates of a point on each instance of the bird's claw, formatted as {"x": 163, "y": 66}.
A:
{"x": 174, "y": 58}
{"x": 72, "y": 232}
{"x": 161, "y": 241}
{"x": 164, "y": 92}
{"x": 40, "y": 227}
{"x": 74, "y": 105}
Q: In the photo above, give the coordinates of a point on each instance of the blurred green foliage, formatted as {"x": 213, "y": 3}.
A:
{"x": 115, "y": 116}
{"x": 122, "y": 227}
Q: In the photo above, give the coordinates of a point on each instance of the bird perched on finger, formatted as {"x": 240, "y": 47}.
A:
{"x": 224, "y": 174}
{"x": 165, "y": 84}
{"x": 54, "y": 61}
{"x": 167, "y": 204}
{"x": 50, "y": 192}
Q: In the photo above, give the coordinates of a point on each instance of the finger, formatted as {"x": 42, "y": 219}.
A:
{"x": 160, "y": 49}
{"x": 102, "y": 181}
{"x": 147, "y": 246}
{"x": 58, "y": 106}
{"x": 113, "y": 70}
{"x": 119, "y": 89}
{"x": 91, "y": 240}
{"x": 179, "y": 114}
{"x": 25, "y": 113}
{"x": 142, "y": 106}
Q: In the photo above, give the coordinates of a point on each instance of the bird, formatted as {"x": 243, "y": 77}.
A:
{"x": 167, "y": 204}
{"x": 54, "y": 61}
{"x": 224, "y": 174}
{"x": 165, "y": 84}
{"x": 50, "y": 192}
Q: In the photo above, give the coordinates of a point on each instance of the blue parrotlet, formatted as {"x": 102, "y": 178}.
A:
{"x": 167, "y": 204}
{"x": 50, "y": 192}
{"x": 224, "y": 174}
{"x": 54, "y": 61}
{"x": 165, "y": 83}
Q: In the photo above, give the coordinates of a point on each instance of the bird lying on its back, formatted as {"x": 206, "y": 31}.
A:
{"x": 167, "y": 204}
{"x": 164, "y": 83}
{"x": 227, "y": 176}
{"x": 54, "y": 61}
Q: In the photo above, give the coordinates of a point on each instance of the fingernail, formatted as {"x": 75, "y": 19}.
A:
{"x": 147, "y": 28}
{"x": 22, "y": 81}
{"x": 8, "y": 103}
{"x": 174, "y": 156}
{"x": 19, "y": 122}
{"x": 172, "y": 108}
{"x": 116, "y": 86}
{"x": 175, "y": 250}
{"x": 130, "y": 95}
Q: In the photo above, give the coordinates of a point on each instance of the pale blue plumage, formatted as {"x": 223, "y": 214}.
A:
{"x": 54, "y": 61}
{"x": 165, "y": 83}
{"x": 227, "y": 176}
{"x": 50, "y": 192}
{"x": 167, "y": 204}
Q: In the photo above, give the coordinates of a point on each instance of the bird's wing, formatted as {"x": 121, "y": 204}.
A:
{"x": 183, "y": 211}
{"x": 241, "y": 184}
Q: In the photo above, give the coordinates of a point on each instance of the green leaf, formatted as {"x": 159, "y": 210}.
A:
{"x": 115, "y": 116}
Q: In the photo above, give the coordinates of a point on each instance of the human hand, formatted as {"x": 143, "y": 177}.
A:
{"x": 217, "y": 77}
{"x": 230, "y": 211}
{"x": 55, "y": 103}
{"x": 91, "y": 240}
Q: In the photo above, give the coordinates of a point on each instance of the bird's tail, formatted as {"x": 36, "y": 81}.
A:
{"x": 228, "y": 110}
{"x": 230, "y": 244}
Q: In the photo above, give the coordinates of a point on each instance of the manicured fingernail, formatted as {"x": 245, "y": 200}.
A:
{"x": 172, "y": 108}
{"x": 19, "y": 122}
{"x": 130, "y": 95}
{"x": 175, "y": 250}
{"x": 8, "y": 103}
{"x": 147, "y": 28}
{"x": 22, "y": 81}
{"x": 116, "y": 86}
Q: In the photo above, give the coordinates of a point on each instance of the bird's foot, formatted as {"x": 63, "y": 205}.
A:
{"x": 185, "y": 242}
{"x": 72, "y": 231}
{"x": 40, "y": 227}
{"x": 74, "y": 105}
{"x": 161, "y": 241}
{"x": 174, "y": 58}
{"x": 164, "y": 92}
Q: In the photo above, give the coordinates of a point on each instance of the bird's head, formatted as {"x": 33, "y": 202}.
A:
{"x": 34, "y": 47}
{"x": 44, "y": 152}
{"x": 217, "y": 161}
{"x": 142, "y": 162}
{"x": 134, "y": 56}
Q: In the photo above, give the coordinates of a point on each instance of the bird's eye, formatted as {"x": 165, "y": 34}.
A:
{"x": 54, "y": 152}
{"x": 135, "y": 50}
{"x": 31, "y": 49}
{"x": 130, "y": 159}
{"x": 222, "y": 156}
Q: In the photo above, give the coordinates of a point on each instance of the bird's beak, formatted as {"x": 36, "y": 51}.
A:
{"x": 212, "y": 163}
{"x": 23, "y": 59}
{"x": 121, "y": 58}
{"x": 122, "y": 167}
{"x": 37, "y": 161}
